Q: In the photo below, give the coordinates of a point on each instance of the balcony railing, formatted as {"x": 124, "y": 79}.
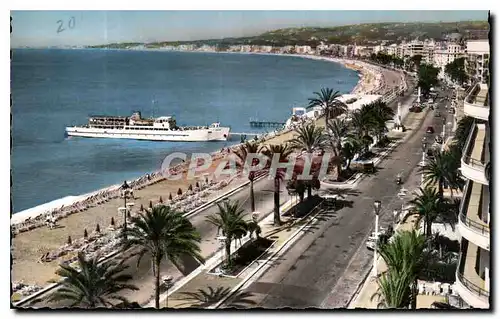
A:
{"x": 477, "y": 101}
{"x": 475, "y": 163}
{"x": 484, "y": 230}
{"x": 470, "y": 223}
{"x": 472, "y": 287}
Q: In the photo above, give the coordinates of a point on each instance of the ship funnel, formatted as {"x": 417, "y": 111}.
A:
{"x": 136, "y": 115}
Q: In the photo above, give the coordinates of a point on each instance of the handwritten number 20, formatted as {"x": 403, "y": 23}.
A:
{"x": 71, "y": 24}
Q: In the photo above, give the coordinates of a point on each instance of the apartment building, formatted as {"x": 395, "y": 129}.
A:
{"x": 445, "y": 54}
{"x": 473, "y": 271}
{"x": 478, "y": 57}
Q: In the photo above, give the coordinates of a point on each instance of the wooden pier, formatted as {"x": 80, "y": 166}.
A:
{"x": 265, "y": 124}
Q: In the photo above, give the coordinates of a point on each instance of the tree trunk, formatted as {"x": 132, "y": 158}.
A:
{"x": 348, "y": 164}
{"x": 228, "y": 251}
{"x": 441, "y": 189}
{"x": 277, "y": 220}
{"x": 252, "y": 196}
{"x": 425, "y": 227}
{"x": 157, "y": 282}
{"x": 414, "y": 294}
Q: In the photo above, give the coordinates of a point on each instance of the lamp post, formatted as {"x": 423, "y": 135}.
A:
{"x": 376, "y": 206}
{"x": 125, "y": 191}
{"x": 424, "y": 149}
{"x": 222, "y": 241}
{"x": 167, "y": 281}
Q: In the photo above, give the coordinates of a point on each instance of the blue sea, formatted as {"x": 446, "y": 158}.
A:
{"x": 52, "y": 89}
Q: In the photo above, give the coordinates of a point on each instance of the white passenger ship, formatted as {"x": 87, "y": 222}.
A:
{"x": 153, "y": 129}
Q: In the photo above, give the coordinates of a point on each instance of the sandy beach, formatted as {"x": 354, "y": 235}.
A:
{"x": 29, "y": 246}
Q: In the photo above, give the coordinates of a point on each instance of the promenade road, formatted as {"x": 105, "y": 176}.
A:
{"x": 316, "y": 271}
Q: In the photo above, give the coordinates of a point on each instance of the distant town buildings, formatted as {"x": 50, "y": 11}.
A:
{"x": 439, "y": 54}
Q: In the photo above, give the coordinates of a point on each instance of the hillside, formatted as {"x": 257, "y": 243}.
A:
{"x": 369, "y": 33}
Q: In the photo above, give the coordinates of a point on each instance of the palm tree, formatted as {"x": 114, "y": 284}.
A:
{"x": 242, "y": 153}
{"x": 440, "y": 170}
{"x": 163, "y": 232}
{"x": 394, "y": 290}
{"x": 282, "y": 151}
{"x": 455, "y": 180}
{"x": 210, "y": 296}
{"x": 380, "y": 114}
{"x": 91, "y": 284}
{"x": 464, "y": 127}
{"x": 349, "y": 150}
{"x": 427, "y": 207}
{"x": 329, "y": 102}
{"x": 404, "y": 255}
{"x": 229, "y": 219}
{"x": 337, "y": 129}
{"x": 309, "y": 138}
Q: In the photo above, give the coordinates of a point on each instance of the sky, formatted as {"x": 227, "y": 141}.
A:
{"x": 63, "y": 28}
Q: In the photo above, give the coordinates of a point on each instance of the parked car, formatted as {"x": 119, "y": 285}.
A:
{"x": 430, "y": 130}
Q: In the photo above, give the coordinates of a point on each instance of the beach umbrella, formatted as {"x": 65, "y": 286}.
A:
{"x": 170, "y": 196}
{"x": 179, "y": 192}
{"x": 190, "y": 188}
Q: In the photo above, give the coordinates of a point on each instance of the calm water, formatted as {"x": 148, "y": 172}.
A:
{"x": 55, "y": 88}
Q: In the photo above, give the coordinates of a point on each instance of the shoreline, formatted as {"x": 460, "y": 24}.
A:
{"x": 38, "y": 251}
{"x": 364, "y": 72}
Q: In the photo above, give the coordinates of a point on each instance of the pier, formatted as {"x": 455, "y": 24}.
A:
{"x": 265, "y": 124}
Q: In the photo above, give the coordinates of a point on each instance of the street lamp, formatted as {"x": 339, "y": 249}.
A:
{"x": 376, "y": 206}
{"x": 424, "y": 148}
{"x": 125, "y": 191}
{"x": 222, "y": 241}
{"x": 167, "y": 281}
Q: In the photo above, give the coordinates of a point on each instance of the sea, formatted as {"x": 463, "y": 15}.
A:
{"x": 53, "y": 88}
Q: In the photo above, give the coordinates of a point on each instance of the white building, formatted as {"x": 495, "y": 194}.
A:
{"x": 473, "y": 271}
{"x": 446, "y": 55}
{"x": 478, "y": 56}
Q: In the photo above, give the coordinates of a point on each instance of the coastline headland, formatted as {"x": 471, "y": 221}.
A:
{"x": 39, "y": 249}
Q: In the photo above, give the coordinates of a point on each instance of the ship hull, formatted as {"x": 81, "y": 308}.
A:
{"x": 201, "y": 135}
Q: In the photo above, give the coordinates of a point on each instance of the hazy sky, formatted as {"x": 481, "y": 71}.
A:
{"x": 40, "y": 28}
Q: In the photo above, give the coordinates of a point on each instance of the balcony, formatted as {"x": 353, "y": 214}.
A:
{"x": 477, "y": 102}
{"x": 473, "y": 158}
{"x": 470, "y": 285}
{"x": 473, "y": 220}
